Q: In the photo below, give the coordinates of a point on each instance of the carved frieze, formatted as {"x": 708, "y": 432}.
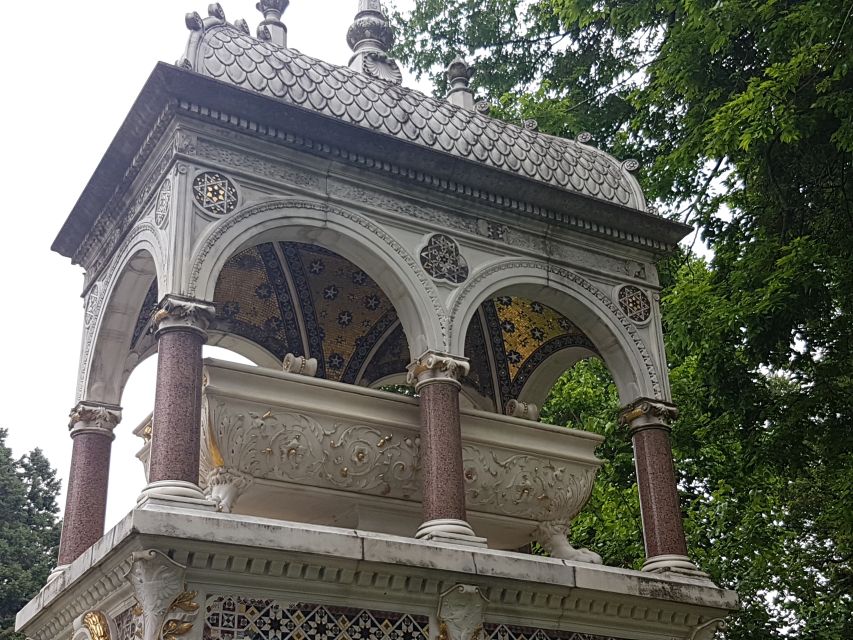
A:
{"x": 524, "y": 485}
{"x": 293, "y": 447}
{"x": 240, "y": 444}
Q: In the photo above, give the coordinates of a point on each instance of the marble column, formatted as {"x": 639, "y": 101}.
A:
{"x": 173, "y": 469}
{"x": 663, "y": 532}
{"x": 436, "y": 380}
{"x": 91, "y": 425}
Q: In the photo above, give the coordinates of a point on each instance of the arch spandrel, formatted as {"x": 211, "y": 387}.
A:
{"x": 351, "y": 235}
{"x": 616, "y": 340}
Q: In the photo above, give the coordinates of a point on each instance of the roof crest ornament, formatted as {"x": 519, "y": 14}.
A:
{"x": 272, "y": 29}
{"x": 371, "y": 37}
{"x": 459, "y": 74}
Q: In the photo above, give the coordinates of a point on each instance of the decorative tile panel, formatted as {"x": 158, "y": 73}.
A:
{"x": 235, "y": 618}
{"x": 512, "y": 632}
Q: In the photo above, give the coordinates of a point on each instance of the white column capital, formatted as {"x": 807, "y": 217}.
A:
{"x": 94, "y": 417}
{"x": 176, "y": 313}
{"x": 648, "y": 413}
{"x": 436, "y": 367}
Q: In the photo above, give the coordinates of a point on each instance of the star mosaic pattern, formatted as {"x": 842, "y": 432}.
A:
{"x": 215, "y": 193}
{"x": 508, "y": 338}
{"x": 235, "y": 618}
{"x": 635, "y": 303}
{"x": 291, "y": 297}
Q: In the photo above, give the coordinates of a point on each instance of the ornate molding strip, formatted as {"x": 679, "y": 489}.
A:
{"x": 360, "y": 220}
{"x": 234, "y": 121}
{"x": 605, "y": 303}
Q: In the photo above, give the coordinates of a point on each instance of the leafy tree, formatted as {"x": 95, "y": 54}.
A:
{"x": 741, "y": 113}
{"x": 29, "y": 531}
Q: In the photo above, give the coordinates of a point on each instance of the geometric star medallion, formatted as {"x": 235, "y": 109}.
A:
{"x": 215, "y": 193}
{"x": 635, "y": 303}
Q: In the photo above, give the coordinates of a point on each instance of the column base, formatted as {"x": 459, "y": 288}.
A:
{"x": 675, "y": 563}
{"x": 176, "y": 492}
{"x": 451, "y": 532}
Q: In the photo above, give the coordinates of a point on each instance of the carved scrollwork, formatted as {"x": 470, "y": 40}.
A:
{"x": 461, "y": 613}
{"x": 167, "y": 609}
{"x": 292, "y": 447}
{"x": 524, "y": 485}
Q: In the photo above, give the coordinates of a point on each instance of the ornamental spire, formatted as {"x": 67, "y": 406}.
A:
{"x": 459, "y": 74}
{"x": 371, "y": 37}
{"x": 272, "y": 28}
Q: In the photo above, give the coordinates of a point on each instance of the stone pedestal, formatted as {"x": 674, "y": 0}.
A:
{"x": 436, "y": 379}
{"x": 91, "y": 426}
{"x": 663, "y": 531}
{"x": 175, "y": 438}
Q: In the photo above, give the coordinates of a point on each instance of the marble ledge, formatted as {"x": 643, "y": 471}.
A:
{"x": 177, "y": 527}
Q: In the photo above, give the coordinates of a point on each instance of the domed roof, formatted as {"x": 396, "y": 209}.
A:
{"x": 223, "y": 51}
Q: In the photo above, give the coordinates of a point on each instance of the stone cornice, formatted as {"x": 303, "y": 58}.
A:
{"x": 237, "y": 109}
{"x": 236, "y": 553}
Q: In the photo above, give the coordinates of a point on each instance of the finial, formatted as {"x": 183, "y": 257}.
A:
{"x": 272, "y": 28}
{"x": 371, "y": 37}
{"x": 459, "y": 73}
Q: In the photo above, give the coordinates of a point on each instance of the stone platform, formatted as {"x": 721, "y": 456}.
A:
{"x": 185, "y": 574}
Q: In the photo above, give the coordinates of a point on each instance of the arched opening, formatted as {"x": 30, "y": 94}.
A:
{"x": 122, "y": 338}
{"x": 517, "y": 347}
{"x": 282, "y": 297}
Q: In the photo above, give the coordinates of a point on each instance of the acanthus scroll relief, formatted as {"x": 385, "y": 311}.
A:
{"x": 523, "y": 485}
{"x": 241, "y": 445}
{"x": 292, "y": 447}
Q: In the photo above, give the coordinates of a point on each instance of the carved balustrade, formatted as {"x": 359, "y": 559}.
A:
{"x": 291, "y": 447}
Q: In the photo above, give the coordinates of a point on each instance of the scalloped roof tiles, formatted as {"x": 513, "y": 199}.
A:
{"x": 230, "y": 55}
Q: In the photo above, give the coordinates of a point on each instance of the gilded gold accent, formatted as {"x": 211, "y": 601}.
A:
{"x": 212, "y": 446}
{"x": 186, "y": 601}
{"x": 97, "y": 626}
{"x": 174, "y": 628}
{"x": 137, "y": 611}
{"x": 442, "y": 631}
{"x": 345, "y": 472}
{"x": 147, "y": 432}
{"x": 527, "y": 325}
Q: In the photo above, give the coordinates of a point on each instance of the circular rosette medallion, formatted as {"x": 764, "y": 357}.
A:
{"x": 215, "y": 193}
{"x": 635, "y": 303}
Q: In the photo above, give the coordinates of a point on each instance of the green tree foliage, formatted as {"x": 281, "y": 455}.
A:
{"x": 29, "y": 531}
{"x": 741, "y": 113}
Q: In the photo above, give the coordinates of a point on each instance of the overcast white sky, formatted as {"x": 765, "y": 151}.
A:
{"x": 71, "y": 71}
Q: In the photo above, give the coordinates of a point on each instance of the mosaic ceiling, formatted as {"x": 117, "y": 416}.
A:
{"x": 290, "y": 297}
